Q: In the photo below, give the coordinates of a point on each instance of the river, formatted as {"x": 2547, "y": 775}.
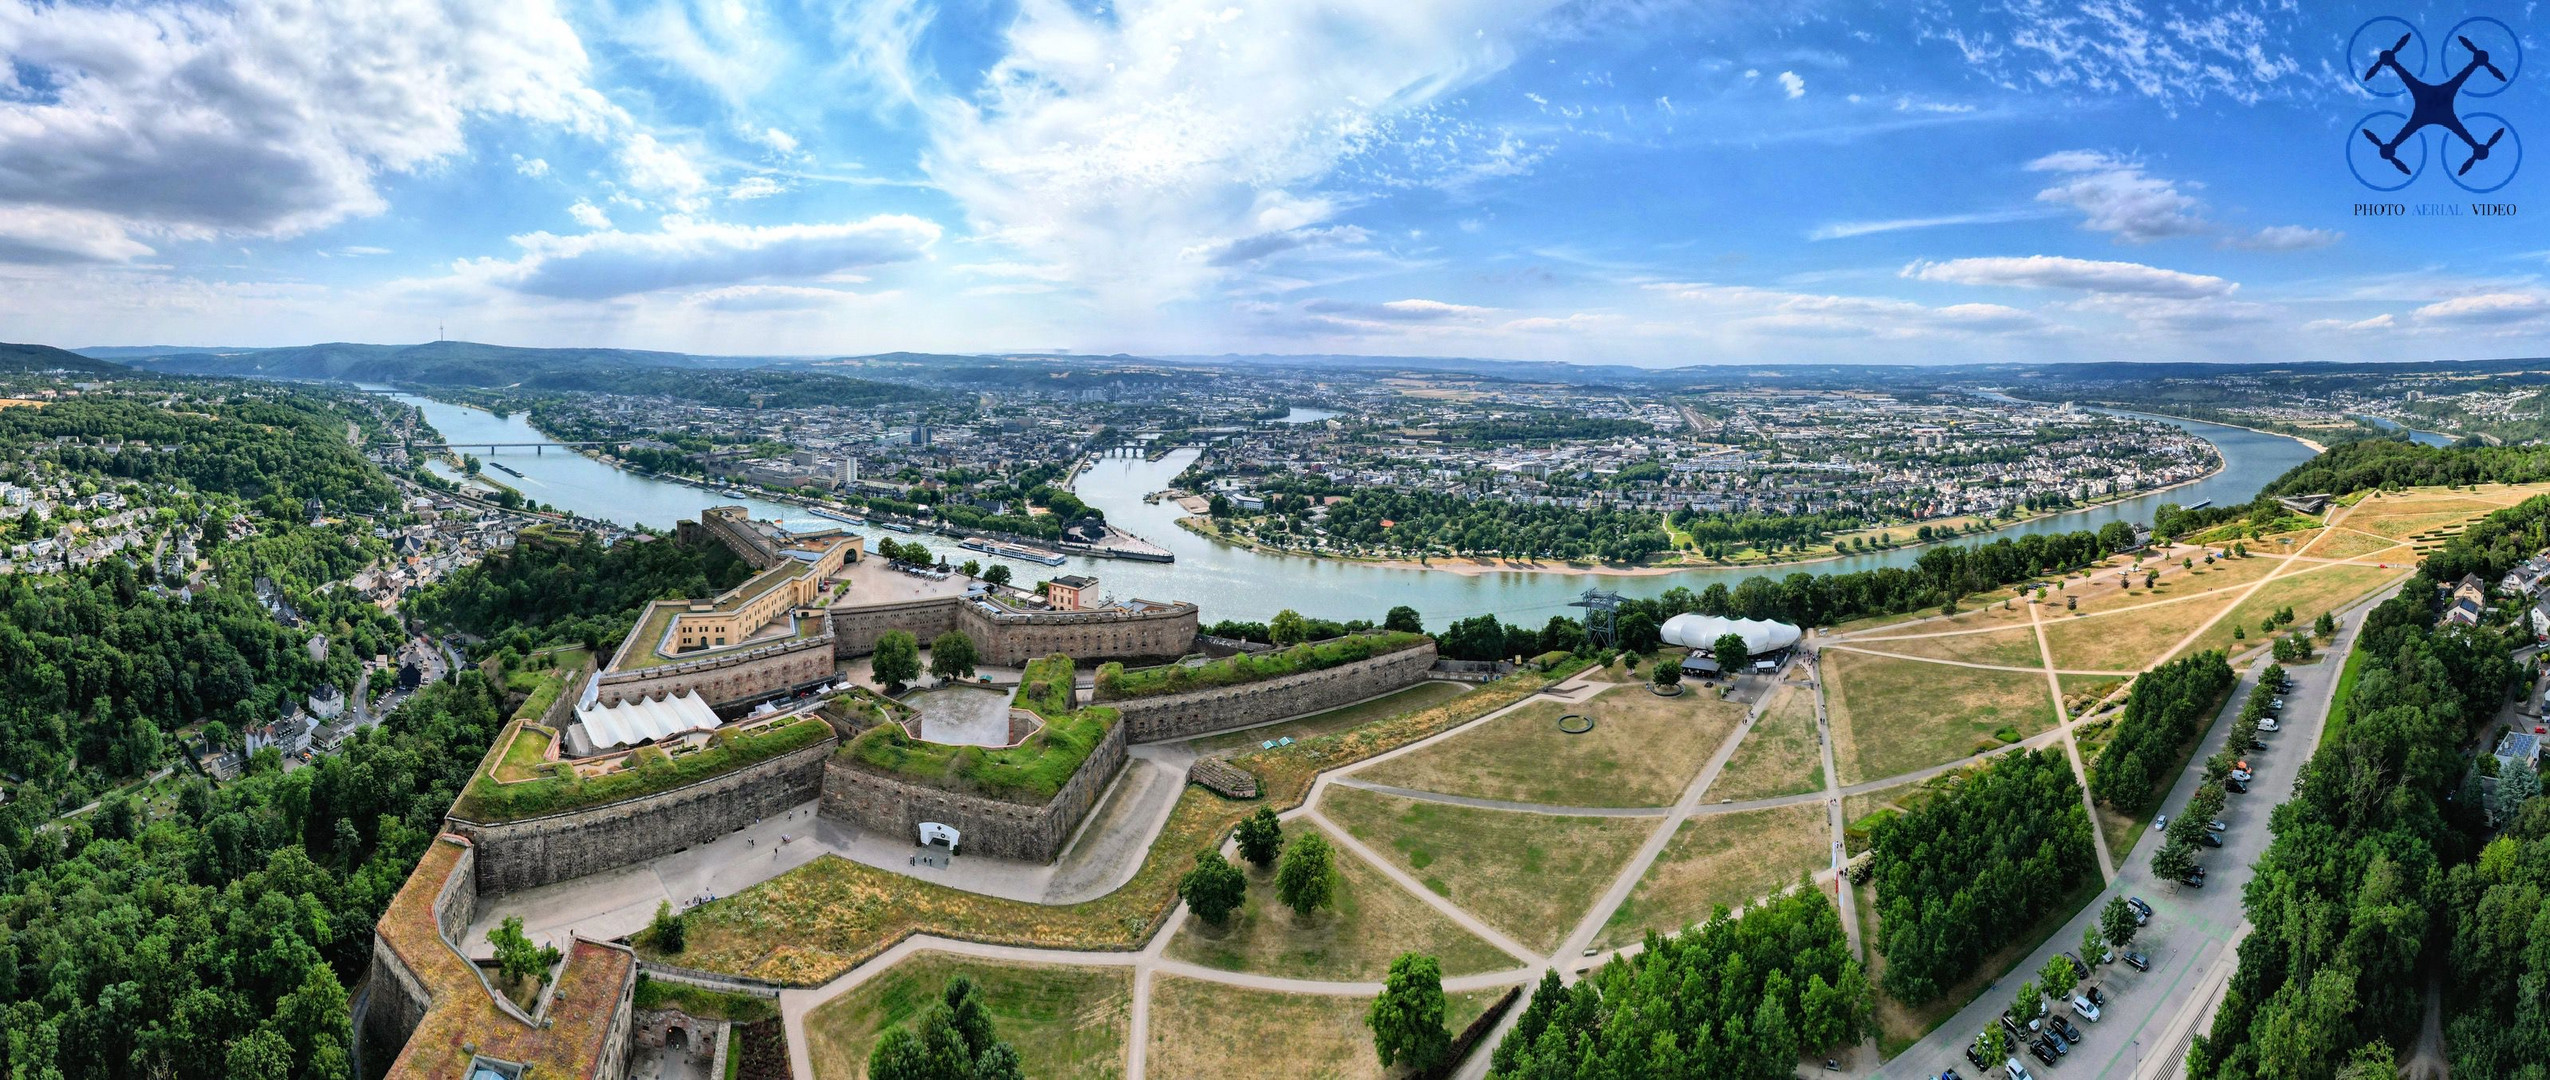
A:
{"x": 1236, "y": 583}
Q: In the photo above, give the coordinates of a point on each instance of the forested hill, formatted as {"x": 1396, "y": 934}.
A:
{"x": 2384, "y": 463}
{"x": 30, "y": 358}
{"x": 275, "y": 450}
{"x": 722, "y": 381}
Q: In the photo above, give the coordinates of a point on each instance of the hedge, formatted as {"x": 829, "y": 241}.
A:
{"x": 654, "y": 771}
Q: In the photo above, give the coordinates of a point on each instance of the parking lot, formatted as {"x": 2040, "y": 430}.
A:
{"x": 2150, "y": 1017}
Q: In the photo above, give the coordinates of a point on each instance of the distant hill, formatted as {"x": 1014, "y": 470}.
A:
{"x": 24, "y": 358}
{"x": 716, "y": 380}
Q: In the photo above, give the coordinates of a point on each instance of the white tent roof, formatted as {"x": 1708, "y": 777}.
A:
{"x": 1702, "y": 631}
{"x": 631, "y": 722}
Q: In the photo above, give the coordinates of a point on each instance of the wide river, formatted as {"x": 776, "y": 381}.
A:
{"x": 1234, "y": 583}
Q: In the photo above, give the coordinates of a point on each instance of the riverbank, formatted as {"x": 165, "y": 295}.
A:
{"x": 1472, "y": 566}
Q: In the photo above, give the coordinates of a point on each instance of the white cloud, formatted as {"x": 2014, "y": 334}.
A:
{"x": 589, "y": 215}
{"x": 1396, "y": 311}
{"x": 2485, "y": 309}
{"x": 2060, "y": 272}
{"x": 2234, "y": 49}
{"x": 2288, "y": 238}
{"x": 1791, "y": 85}
{"x": 43, "y": 234}
{"x": 361, "y": 250}
{"x": 755, "y": 187}
{"x": 1842, "y": 230}
{"x": 1777, "y": 312}
{"x": 532, "y": 167}
{"x": 750, "y": 298}
{"x": 601, "y": 265}
{"x": 1136, "y": 143}
{"x": 664, "y": 169}
{"x": 2383, "y": 321}
{"x": 265, "y": 117}
{"x": 2117, "y": 196}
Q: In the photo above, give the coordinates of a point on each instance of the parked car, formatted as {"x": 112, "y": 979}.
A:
{"x": 2142, "y": 911}
{"x": 2160, "y": 822}
{"x": 2255, "y": 745}
{"x": 2193, "y": 881}
{"x": 2066, "y": 1029}
{"x": 2084, "y": 1008}
{"x": 2270, "y": 724}
{"x": 2210, "y": 840}
{"x": 2079, "y": 970}
{"x": 2097, "y": 996}
{"x": 2042, "y": 1051}
{"x": 1974, "y": 1056}
{"x": 2139, "y": 961}
{"x": 2242, "y": 775}
{"x": 2016, "y": 1070}
{"x": 2235, "y": 787}
{"x": 2216, "y": 825}
{"x": 1950, "y": 1074}
{"x": 2276, "y": 704}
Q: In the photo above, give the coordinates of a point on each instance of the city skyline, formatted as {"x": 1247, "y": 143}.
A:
{"x": 1608, "y": 182}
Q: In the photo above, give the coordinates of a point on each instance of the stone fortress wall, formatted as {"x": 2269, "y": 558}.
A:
{"x": 516, "y": 855}
{"x": 1221, "y": 708}
{"x": 987, "y": 826}
{"x": 732, "y": 676}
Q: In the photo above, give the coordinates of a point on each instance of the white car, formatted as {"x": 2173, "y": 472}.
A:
{"x": 2016, "y": 1070}
{"x": 2269, "y": 724}
{"x": 2241, "y": 775}
{"x": 2160, "y": 823}
{"x": 2084, "y": 1008}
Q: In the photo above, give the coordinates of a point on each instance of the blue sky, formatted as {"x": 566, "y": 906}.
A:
{"x": 1618, "y": 181}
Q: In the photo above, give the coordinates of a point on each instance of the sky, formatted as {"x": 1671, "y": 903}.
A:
{"x": 1600, "y": 181}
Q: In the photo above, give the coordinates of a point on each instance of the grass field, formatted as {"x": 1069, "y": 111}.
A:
{"x": 1894, "y": 716}
{"x": 1374, "y": 921}
{"x": 1530, "y": 875}
{"x": 1068, "y": 1022}
{"x": 2015, "y": 647}
{"x": 1409, "y": 700}
{"x": 1978, "y": 612}
{"x": 2126, "y": 640}
{"x": 2344, "y": 543}
{"x": 1643, "y": 751}
{"x": 524, "y": 756}
{"x": 1730, "y": 859}
{"x": 2103, "y": 595}
{"x": 2399, "y": 516}
{"x": 1778, "y": 757}
{"x": 2308, "y": 591}
{"x": 1201, "y": 1029}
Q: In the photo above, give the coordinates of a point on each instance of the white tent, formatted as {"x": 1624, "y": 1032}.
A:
{"x": 1703, "y": 631}
{"x": 631, "y": 722}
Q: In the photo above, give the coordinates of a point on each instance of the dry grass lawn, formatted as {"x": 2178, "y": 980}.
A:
{"x": 2308, "y": 591}
{"x": 1722, "y": 859}
{"x": 2345, "y": 543}
{"x": 2015, "y": 647}
{"x": 1066, "y": 1021}
{"x": 2129, "y": 640}
{"x": 1978, "y": 612}
{"x": 2103, "y": 595}
{"x": 1373, "y": 921}
{"x": 1778, "y": 757}
{"x": 1643, "y": 751}
{"x": 1530, "y": 875}
{"x": 2401, "y": 516}
{"x": 1891, "y": 717}
{"x": 1202, "y": 1029}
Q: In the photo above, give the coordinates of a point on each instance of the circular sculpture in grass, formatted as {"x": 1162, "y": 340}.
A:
{"x": 1575, "y": 723}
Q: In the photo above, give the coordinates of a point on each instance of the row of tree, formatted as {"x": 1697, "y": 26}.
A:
{"x": 1736, "y": 997}
{"x": 2168, "y": 708}
{"x": 1985, "y": 858}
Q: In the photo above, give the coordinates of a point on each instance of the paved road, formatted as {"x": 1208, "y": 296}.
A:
{"x": 2151, "y": 1015}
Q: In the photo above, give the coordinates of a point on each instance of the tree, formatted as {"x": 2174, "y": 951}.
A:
{"x": 2024, "y": 1005}
{"x": 2174, "y": 861}
{"x": 1638, "y": 632}
{"x": 1288, "y": 627}
{"x": 1260, "y": 837}
{"x": 1407, "y": 1019}
{"x": 1403, "y": 619}
{"x": 1666, "y": 672}
{"x": 952, "y": 655}
{"x": 2057, "y": 977}
{"x": 516, "y": 957}
{"x": 2116, "y": 922}
{"x": 667, "y": 931}
{"x": 1307, "y": 880}
{"x": 997, "y": 573}
{"x": 217, "y": 735}
{"x": 972, "y": 568}
{"x": 2325, "y": 626}
{"x": 1214, "y": 889}
{"x": 1730, "y": 652}
{"x": 2093, "y": 946}
{"x": 897, "y": 660}
{"x": 1217, "y": 506}
{"x": 1995, "y": 1046}
{"x": 952, "y": 1040}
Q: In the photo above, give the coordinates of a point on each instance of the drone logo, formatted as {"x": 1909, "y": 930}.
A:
{"x": 2434, "y": 125}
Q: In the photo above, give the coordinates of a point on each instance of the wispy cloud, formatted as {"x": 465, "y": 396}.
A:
{"x": 1843, "y": 230}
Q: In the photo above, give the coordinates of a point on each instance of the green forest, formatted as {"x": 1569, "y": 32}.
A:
{"x": 1735, "y": 998}
{"x": 1961, "y": 872}
{"x": 2169, "y": 707}
{"x": 568, "y": 588}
